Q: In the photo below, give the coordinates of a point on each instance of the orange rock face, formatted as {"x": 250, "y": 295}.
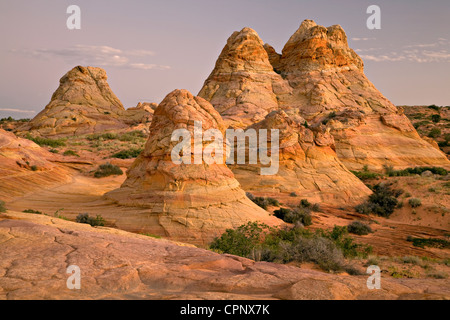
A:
{"x": 24, "y": 167}
{"x": 191, "y": 202}
{"x": 318, "y": 77}
{"x": 243, "y": 86}
{"x": 308, "y": 165}
{"x": 83, "y": 103}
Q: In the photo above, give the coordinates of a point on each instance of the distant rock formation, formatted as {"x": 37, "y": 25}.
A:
{"x": 24, "y": 167}
{"x": 142, "y": 113}
{"x": 308, "y": 164}
{"x": 83, "y": 104}
{"x": 187, "y": 202}
{"x": 321, "y": 79}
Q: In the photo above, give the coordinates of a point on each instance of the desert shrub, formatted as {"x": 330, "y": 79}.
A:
{"x": 339, "y": 235}
{"x": 241, "y": 241}
{"x": 264, "y": 202}
{"x": 416, "y": 170}
{"x": 434, "y": 133}
{"x": 359, "y": 228}
{"x": 430, "y": 242}
{"x": 32, "y": 211}
{"x": 305, "y": 203}
{"x": 54, "y": 143}
{"x": 102, "y": 136}
{"x": 127, "y": 154}
{"x": 293, "y": 194}
{"x": 436, "y": 118}
{"x": 106, "y": 170}
{"x": 366, "y": 175}
{"x": 132, "y": 136}
{"x": 300, "y": 215}
{"x": 85, "y": 218}
{"x": 414, "y": 202}
{"x": 272, "y": 202}
{"x": 319, "y": 250}
{"x": 250, "y": 196}
{"x": 434, "y": 107}
{"x": 34, "y": 168}
{"x": 260, "y": 242}
{"x": 70, "y": 153}
{"x": 54, "y": 150}
{"x": 2, "y": 206}
{"x": 381, "y": 202}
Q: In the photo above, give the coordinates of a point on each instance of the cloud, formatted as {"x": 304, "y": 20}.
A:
{"x": 99, "y": 56}
{"x": 17, "y": 110}
{"x": 363, "y": 39}
{"x": 438, "y": 51}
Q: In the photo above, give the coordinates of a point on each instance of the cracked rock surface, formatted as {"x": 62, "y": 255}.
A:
{"x": 35, "y": 251}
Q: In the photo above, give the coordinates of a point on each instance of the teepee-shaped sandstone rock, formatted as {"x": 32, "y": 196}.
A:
{"x": 83, "y": 103}
{"x": 320, "y": 78}
{"x": 187, "y": 202}
{"x": 243, "y": 86}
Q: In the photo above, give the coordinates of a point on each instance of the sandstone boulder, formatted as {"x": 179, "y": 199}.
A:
{"x": 187, "y": 202}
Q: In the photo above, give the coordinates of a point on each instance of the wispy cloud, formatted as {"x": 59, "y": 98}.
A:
{"x": 17, "y": 110}
{"x": 100, "y": 56}
{"x": 363, "y": 39}
{"x": 438, "y": 51}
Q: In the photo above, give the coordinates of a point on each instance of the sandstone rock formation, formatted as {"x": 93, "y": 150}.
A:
{"x": 243, "y": 86}
{"x": 24, "y": 167}
{"x": 308, "y": 164}
{"x": 189, "y": 202}
{"x": 320, "y": 78}
{"x": 83, "y": 104}
{"x": 142, "y": 113}
{"x": 36, "y": 250}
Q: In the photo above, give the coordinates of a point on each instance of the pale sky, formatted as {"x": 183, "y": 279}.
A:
{"x": 149, "y": 48}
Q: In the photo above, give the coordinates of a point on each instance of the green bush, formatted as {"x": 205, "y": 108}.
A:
{"x": 434, "y": 107}
{"x": 54, "y": 143}
{"x": 414, "y": 202}
{"x": 430, "y": 242}
{"x": 106, "y": 170}
{"x": 132, "y": 136}
{"x": 263, "y": 202}
{"x": 34, "y": 168}
{"x": 241, "y": 241}
{"x": 359, "y": 228}
{"x": 102, "y": 136}
{"x": 32, "y": 211}
{"x": 2, "y": 206}
{"x": 127, "y": 154}
{"x": 298, "y": 215}
{"x": 381, "y": 202}
{"x": 436, "y": 118}
{"x": 70, "y": 153}
{"x": 412, "y": 171}
{"x": 434, "y": 133}
{"x": 262, "y": 243}
{"x": 85, "y": 218}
